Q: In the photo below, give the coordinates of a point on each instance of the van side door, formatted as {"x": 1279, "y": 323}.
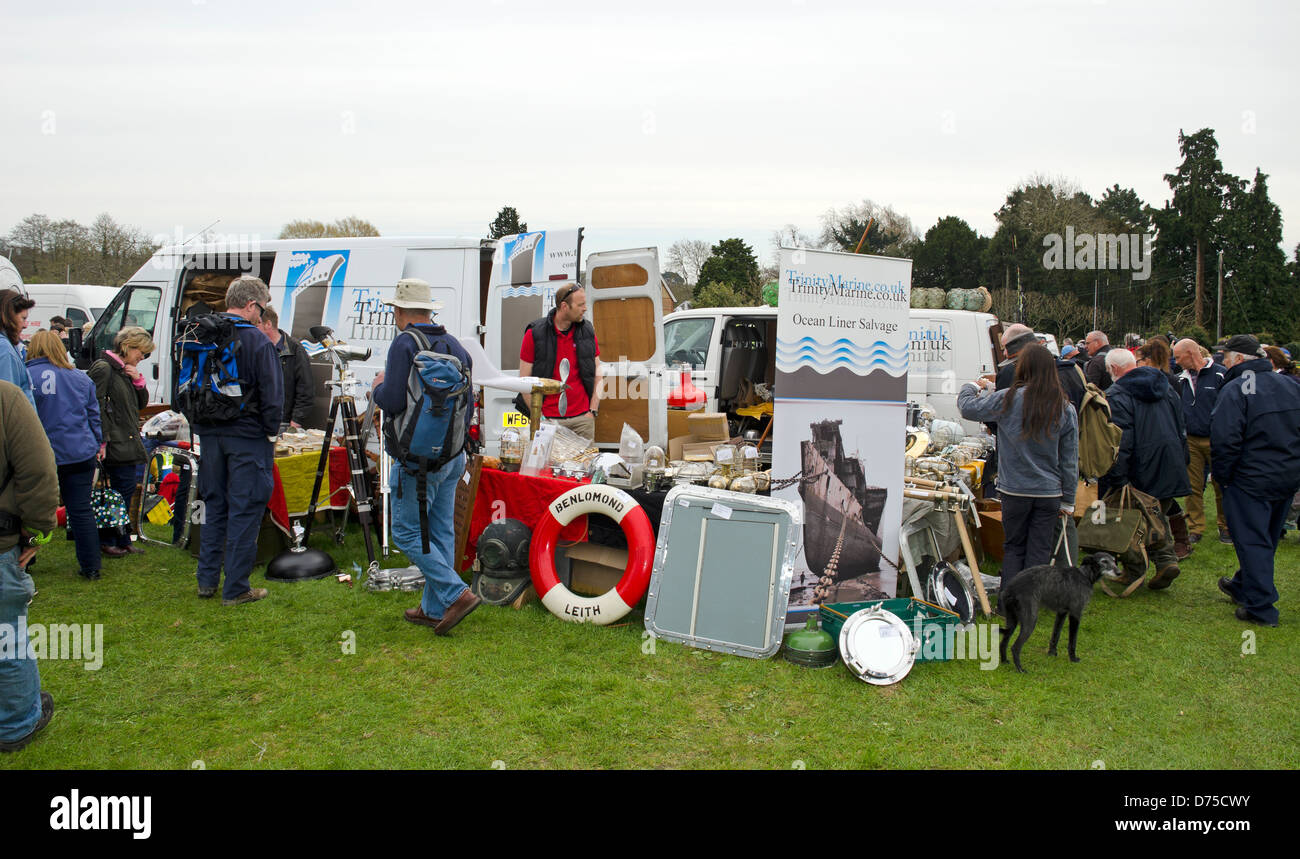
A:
{"x": 625, "y": 306}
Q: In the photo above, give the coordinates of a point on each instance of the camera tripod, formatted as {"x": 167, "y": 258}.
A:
{"x": 344, "y": 404}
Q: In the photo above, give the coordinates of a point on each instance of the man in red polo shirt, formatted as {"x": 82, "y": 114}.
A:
{"x": 562, "y": 345}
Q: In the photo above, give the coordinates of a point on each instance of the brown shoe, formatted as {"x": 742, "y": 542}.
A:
{"x": 456, "y": 612}
{"x": 417, "y": 615}
{"x": 114, "y": 551}
{"x": 1164, "y": 578}
{"x": 134, "y": 549}
{"x": 250, "y": 595}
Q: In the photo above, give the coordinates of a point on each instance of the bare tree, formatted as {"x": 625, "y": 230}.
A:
{"x": 889, "y": 232}
{"x": 686, "y": 256}
{"x": 343, "y": 227}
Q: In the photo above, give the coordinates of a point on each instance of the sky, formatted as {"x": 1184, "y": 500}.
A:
{"x": 643, "y": 123}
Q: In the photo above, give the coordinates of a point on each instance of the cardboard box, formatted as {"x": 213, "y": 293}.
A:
{"x": 595, "y": 569}
{"x": 678, "y": 422}
{"x": 700, "y": 451}
{"x": 709, "y": 426}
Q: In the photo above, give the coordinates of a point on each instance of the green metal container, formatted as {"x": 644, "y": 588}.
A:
{"x": 810, "y": 647}
{"x": 938, "y": 626}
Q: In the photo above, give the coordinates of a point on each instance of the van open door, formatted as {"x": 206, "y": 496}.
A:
{"x": 625, "y": 305}
{"x": 526, "y": 269}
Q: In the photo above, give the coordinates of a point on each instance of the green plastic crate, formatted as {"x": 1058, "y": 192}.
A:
{"x": 935, "y": 622}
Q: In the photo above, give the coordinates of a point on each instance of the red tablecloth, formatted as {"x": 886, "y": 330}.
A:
{"x": 340, "y": 478}
{"x": 503, "y": 495}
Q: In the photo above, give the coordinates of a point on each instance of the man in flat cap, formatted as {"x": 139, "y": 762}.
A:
{"x": 1255, "y": 448}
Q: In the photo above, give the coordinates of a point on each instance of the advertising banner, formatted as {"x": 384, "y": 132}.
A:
{"x": 841, "y": 395}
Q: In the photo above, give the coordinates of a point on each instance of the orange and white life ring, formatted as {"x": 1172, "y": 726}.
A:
{"x": 613, "y": 604}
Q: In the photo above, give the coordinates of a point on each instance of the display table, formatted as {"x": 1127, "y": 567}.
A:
{"x": 517, "y": 496}
{"x": 294, "y": 477}
{"x": 506, "y": 495}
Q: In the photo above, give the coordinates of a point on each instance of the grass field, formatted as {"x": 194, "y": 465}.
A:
{"x": 1168, "y": 680}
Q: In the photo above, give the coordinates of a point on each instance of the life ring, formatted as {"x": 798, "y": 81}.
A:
{"x": 613, "y": 604}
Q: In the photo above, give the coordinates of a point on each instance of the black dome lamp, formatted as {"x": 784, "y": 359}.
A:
{"x": 300, "y": 563}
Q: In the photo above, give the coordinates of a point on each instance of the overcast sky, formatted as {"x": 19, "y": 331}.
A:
{"x": 643, "y": 123}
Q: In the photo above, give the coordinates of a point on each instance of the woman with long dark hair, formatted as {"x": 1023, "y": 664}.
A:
{"x": 1038, "y": 455}
{"x": 13, "y": 319}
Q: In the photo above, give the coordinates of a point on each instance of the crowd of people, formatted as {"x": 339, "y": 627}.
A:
{"x": 1186, "y": 415}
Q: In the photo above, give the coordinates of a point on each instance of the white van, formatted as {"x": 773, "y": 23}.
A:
{"x": 79, "y": 303}
{"x": 9, "y": 276}
{"x": 490, "y": 290}
{"x": 725, "y": 347}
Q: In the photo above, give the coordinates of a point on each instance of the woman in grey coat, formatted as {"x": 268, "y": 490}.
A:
{"x": 1038, "y": 455}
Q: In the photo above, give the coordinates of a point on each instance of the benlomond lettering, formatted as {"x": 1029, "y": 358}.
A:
{"x": 132, "y": 813}
{"x": 612, "y": 502}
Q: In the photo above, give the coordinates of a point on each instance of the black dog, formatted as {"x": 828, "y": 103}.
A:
{"x": 1065, "y": 591}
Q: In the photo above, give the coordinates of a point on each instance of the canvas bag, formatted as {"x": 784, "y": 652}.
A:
{"x": 108, "y": 506}
{"x": 1099, "y": 438}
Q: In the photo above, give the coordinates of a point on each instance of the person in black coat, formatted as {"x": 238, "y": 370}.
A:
{"x": 1255, "y": 446}
{"x": 299, "y": 386}
{"x": 1153, "y": 450}
{"x": 1097, "y": 345}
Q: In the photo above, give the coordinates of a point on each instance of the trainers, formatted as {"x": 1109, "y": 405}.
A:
{"x": 1164, "y": 578}
{"x": 1242, "y": 614}
{"x": 1225, "y": 587}
{"x": 250, "y": 595}
{"x": 207, "y": 593}
{"x": 1224, "y": 537}
{"x": 47, "y": 713}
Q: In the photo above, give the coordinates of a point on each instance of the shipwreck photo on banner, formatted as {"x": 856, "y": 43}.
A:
{"x": 841, "y": 393}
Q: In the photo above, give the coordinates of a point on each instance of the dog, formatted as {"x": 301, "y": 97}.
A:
{"x": 1066, "y": 591}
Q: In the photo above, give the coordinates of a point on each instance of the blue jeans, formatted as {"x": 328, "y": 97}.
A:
{"x": 1256, "y": 531}
{"x": 76, "y": 479}
{"x": 442, "y": 584}
{"x": 20, "y": 683}
{"x": 235, "y": 483}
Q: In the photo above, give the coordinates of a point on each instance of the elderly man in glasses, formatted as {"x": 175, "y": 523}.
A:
{"x": 562, "y": 345}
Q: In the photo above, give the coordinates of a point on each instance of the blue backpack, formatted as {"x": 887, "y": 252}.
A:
{"x": 209, "y": 387}
{"x": 430, "y": 431}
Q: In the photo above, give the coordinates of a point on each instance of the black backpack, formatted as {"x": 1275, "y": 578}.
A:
{"x": 209, "y": 387}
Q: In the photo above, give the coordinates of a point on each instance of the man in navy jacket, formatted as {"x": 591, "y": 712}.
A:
{"x": 1199, "y": 385}
{"x": 446, "y": 600}
{"x": 236, "y": 470}
{"x": 1255, "y": 440}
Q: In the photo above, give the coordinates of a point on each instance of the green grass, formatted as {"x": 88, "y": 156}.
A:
{"x": 1163, "y": 684}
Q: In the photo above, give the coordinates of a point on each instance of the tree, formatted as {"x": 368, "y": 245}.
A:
{"x": 1125, "y": 208}
{"x": 45, "y": 250}
{"x": 732, "y": 263}
{"x": 890, "y": 234}
{"x": 722, "y": 295}
{"x": 507, "y": 223}
{"x": 342, "y": 228}
{"x": 685, "y": 256}
{"x": 950, "y": 256}
{"x": 1199, "y": 187}
{"x": 1258, "y": 295}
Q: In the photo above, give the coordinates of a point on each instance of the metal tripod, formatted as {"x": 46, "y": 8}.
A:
{"x": 344, "y": 402}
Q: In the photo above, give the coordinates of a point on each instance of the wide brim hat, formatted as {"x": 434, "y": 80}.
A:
{"x": 413, "y": 294}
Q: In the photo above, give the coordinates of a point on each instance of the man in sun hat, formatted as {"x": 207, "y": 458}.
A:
{"x": 1255, "y": 447}
{"x": 446, "y": 600}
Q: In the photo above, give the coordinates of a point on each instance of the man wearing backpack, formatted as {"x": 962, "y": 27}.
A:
{"x": 237, "y": 453}
{"x": 446, "y": 600}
